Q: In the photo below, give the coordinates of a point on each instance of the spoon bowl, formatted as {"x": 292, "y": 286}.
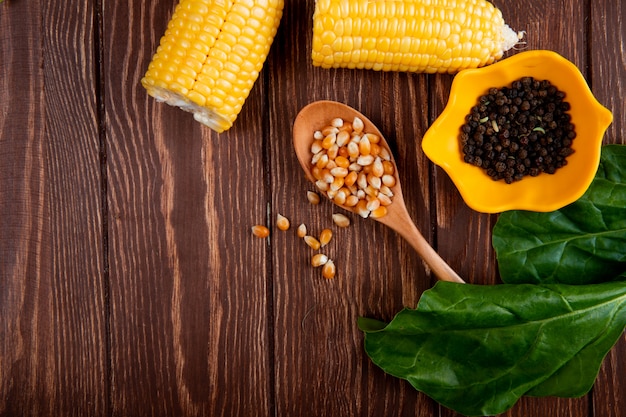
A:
{"x": 317, "y": 115}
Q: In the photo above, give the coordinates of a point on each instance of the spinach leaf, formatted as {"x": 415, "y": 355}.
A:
{"x": 478, "y": 349}
{"x": 582, "y": 243}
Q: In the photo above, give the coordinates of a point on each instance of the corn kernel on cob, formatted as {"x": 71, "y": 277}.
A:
{"x": 211, "y": 55}
{"x": 409, "y": 35}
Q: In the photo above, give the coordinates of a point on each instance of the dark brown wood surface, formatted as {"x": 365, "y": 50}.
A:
{"x": 130, "y": 284}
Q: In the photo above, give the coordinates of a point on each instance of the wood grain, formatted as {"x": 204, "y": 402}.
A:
{"x": 22, "y": 223}
{"x": 607, "y": 66}
{"x": 321, "y": 368}
{"x": 607, "y": 76}
{"x": 130, "y": 284}
{"x": 189, "y": 283}
{"x": 53, "y": 357}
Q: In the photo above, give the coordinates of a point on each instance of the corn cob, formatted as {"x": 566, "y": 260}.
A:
{"x": 211, "y": 55}
{"x": 409, "y": 35}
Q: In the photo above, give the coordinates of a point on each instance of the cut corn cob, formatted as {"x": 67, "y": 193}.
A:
{"x": 211, "y": 55}
{"x": 409, "y": 35}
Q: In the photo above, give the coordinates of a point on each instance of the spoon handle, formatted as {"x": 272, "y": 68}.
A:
{"x": 412, "y": 235}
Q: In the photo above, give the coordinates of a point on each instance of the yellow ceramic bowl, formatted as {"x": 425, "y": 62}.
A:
{"x": 544, "y": 192}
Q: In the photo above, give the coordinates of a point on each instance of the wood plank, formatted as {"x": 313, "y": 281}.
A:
{"x": 551, "y": 31}
{"x": 321, "y": 367}
{"x": 457, "y": 224}
{"x": 608, "y": 82}
{"x": 189, "y": 283}
{"x": 53, "y": 355}
{"x": 22, "y": 204}
{"x": 607, "y": 63}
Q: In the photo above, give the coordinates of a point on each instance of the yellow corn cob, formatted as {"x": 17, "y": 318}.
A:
{"x": 409, "y": 35}
{"x": 211, "y": 55}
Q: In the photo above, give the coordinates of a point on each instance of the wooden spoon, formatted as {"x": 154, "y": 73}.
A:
{"x": 316, "y": 116}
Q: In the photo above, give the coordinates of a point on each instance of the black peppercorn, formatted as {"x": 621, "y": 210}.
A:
{"x": 517, "y": 130}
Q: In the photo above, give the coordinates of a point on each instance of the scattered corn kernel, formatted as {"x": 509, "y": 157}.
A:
{"x": 329, "y": 270}
{"x": 260, "y": 231}
{"x": 312, "y": 242}
{"x": 282, "y": 222}
{"x": 341, "y": 220}
{"x": 313, "y": 197}
{"x": 301, "y": 231}
{"x": 319, "y": 259}
{"x": 325, "y": 236}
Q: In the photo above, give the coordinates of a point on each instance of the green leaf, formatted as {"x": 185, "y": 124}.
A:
{"x": 370, "y": 325}
{"x": 582, "y": 243}
{"x": 478, "y": 349}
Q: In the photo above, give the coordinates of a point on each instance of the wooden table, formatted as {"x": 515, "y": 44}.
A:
{"x": 130, "y": 284}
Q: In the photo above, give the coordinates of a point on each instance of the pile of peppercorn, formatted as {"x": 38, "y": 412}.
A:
{"x": 518, "y": 130}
